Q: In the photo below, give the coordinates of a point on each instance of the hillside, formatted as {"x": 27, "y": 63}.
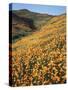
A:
{"x": 40, "y": 57}
{"x": 54, "y": 26}
{"x": 38, "y": 18}
{"x": 24, "y": 22}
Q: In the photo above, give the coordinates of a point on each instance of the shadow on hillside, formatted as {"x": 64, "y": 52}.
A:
{"x": 24, "y": 20}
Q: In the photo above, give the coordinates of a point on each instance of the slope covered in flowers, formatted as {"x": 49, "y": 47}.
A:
{"x": 40, "y": 58}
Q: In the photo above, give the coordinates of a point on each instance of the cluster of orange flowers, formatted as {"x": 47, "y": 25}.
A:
{"x": 40, "y": 66}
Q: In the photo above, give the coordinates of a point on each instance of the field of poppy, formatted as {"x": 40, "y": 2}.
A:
{"x": 40, "y": 58}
